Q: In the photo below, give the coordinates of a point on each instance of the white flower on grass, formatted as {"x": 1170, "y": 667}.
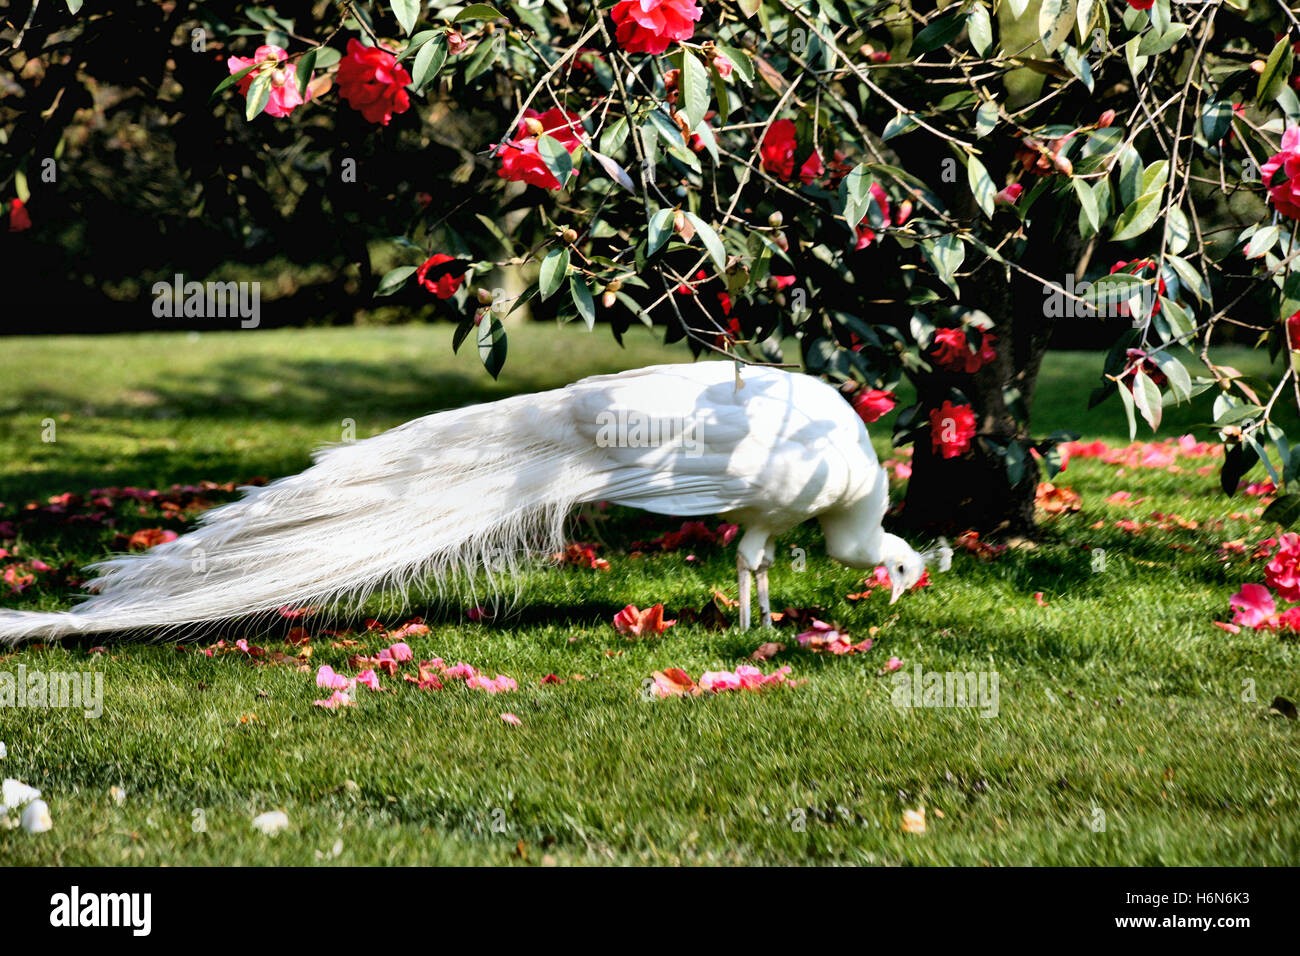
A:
{"x": 15, "y": 793}
{"x": 118, "y": 795}
{"x": 36, "y": 818}
{"x": 271, "y": 822}
{"x": 4, "y": 751}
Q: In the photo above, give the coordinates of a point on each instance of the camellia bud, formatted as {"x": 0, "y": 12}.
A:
{"x": 570, "y": 236}
{"x": 608, "y": 299}
{"x": 456, "y": 42}
{"x": 723, "y": 65}
{"x": 679, "y": 221}
{"x": 614, "y": 286}
{"x": 277, "y": 77}
{"x": 776, "y": 219}
{"x": 1106, "y": 119}
{"x": 696, "y": 143}
{"x": 534, "y": 126}
{"x": 671, "y": 78}
{"x": 484, "y": 296}
{"x": 782, "y": 242}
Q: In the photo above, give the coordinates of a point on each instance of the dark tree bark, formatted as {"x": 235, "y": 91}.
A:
{"x": 973, "y": 491}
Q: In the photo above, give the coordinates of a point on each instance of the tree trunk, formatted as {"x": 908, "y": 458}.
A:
{"x": 973, "y": 491}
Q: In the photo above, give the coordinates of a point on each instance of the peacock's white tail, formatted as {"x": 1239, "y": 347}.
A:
{"x": 436, "y": 501}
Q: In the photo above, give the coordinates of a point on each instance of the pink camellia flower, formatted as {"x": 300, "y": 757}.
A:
{"x": 368, "y": 678}
{"x": 779, "y": 147}
{"x": 285, "y": 97}
{"x": 18, "y": 217}
{"x": 1286, "y": 194}
{"x": 1282, "y": 573}
{"x": 951, "y": 429}
{"x": 873, "y": 403}
{"x": 371, "y": 80}
{"x": 400, "y": 652}
{"x": 445, "y": 286}
{"x": 1254, "y": 606}
{"x": 330, "y": 679}
{"x": 650, "y": 26}
{"x": 723, "y": 65}
{"x": 1009, "y": 196}
{"x": 456, "y": 43}
{"x": 520, "y": 160}
{"x": 511, "y": 719}
{"x": 893, "y": 664}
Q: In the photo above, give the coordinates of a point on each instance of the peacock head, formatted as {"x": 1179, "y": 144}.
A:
{"x": 906, "y": 565}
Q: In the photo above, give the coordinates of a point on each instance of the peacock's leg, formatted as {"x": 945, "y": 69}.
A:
{"x": 742, "y": 569}
{"x": 764, "y": 595}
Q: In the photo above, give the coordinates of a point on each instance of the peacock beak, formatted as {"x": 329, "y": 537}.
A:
{"x": 896, "y": 591}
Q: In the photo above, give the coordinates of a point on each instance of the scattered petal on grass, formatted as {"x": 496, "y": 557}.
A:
{"x": 36, "y": 817}
{"x": 914, "y": 821}
{"x": 368, "y": 678}
{"x": 271, "y": 822}
{"x": 335, "y": 700}
{"x": 825, "y": 638}
{"x": 552, "y": 679}
{"x": 1038, "y": 599}
{"x": 767, "y": 651}
{"x": 511, "y": 719}
{"x": 638, "y": 623}
{"x": 893, "y": 664}
{"x": 330, "y": 679}
{"x": 673, "y": 682}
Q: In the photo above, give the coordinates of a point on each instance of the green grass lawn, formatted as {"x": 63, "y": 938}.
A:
{"x": 1119, "y": 701}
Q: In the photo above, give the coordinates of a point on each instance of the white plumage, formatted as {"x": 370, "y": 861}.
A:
{"x": 480, "y": 489}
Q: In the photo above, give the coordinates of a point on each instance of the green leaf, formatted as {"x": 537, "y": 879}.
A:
{"x": 981, "y": 185}
{"x": 940, "y": 32}
{"x": 407, "y": 12}
{"x": 74, "y": 5}
{"x": 661, "y": 227}
{"x": 750, "y": 7}
{"x": 1216, "y": 119}
{"x": 1154, "y": 43}
{"x": 303, "y": 73}
{"x": 582, "y": 299}
{"x": 555, "y": 267}
{"x": 1127, "y": 398}
{"x": 259, "y": 94}
{"x": 1137, "y": 218}
{"x": 1284, "y": 511}
{"x": 695, "y": 89}
{"x": 1055, "y": 21}
{"x": 555, "y": 156}
{"x": 479, "y": 11}
{"x": 979, "y": 29}
{"x": 986, "y": 118}
{"x": 1087, "y": 200}
{"x": 492, "y": 344}
{"x": 717, "y": 251}
{"x": 394, "y": 279}
{"x": 1277, "y": 70}
{"x": 430, "y": 59}
{"x": 231, "y": 80}
{"x": 1262, "y": 241}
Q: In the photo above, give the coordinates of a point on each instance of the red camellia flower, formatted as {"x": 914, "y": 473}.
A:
{"x": 284, "y": 84}
{"x": 952, "y": 352}
{"x": 873, "y": 403}
{"x": 1282, "y": 573}
{"x": 444, "y": 287}
{"x": 649, "y": 26}
{"x": 1293, "y": 330}
{"x": 1141, "y": 4}
{"x": 520, "y": 161}
{"x": 18, "y": 217}
{"x": 951, "y": 429}
{"x": 370, "y": 80}
{"x": 779, "y": 147}
{"x": 1136, "y": 268}
{"x": 1286, "y": 194}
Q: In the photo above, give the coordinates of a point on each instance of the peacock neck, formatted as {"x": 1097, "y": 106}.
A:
{"x": 853, "y": 534}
